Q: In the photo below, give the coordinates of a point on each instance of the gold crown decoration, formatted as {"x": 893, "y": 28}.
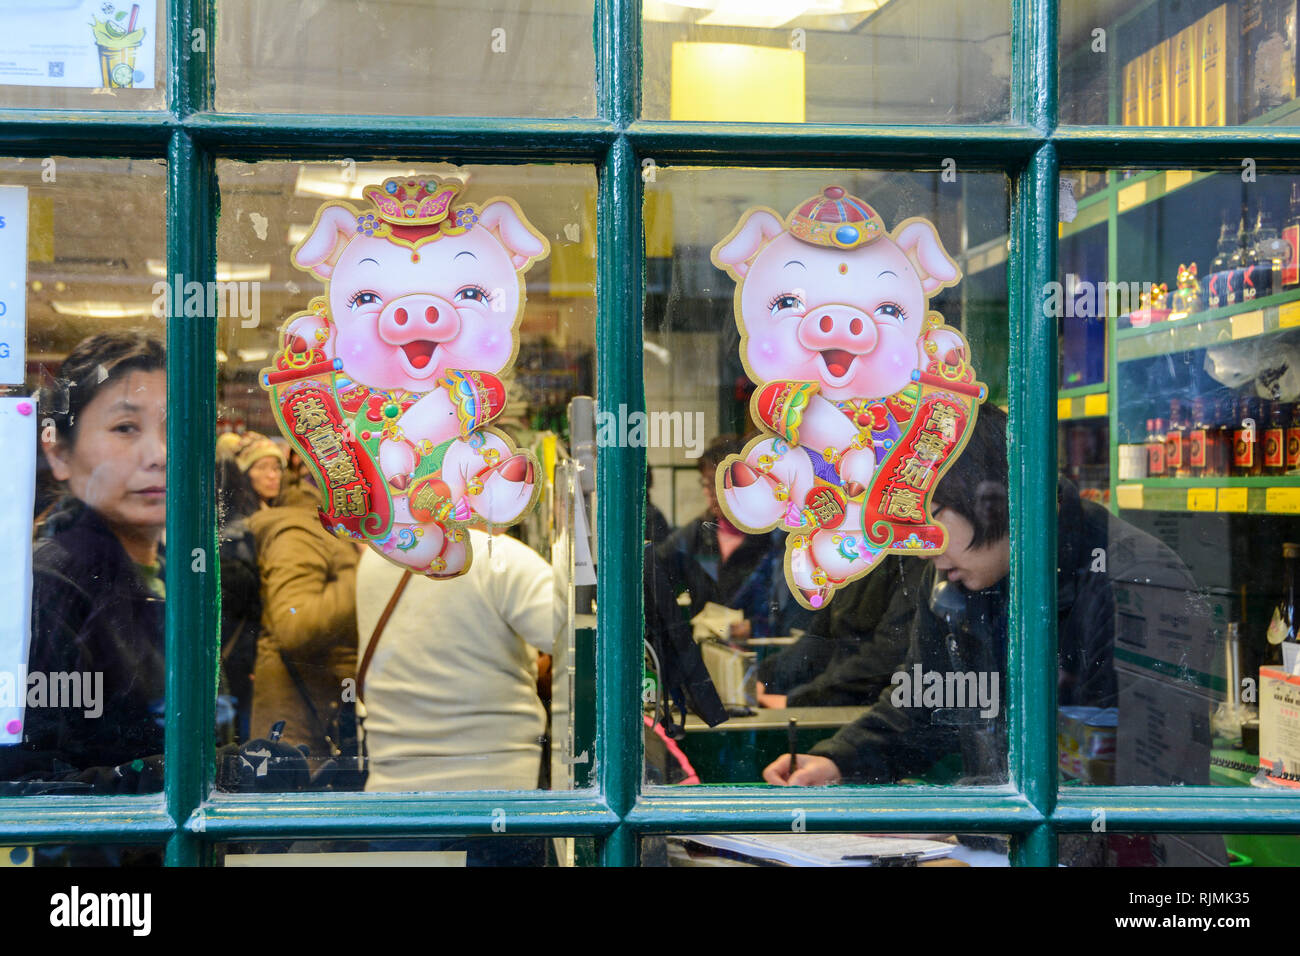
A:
{"x": 413, "y": 202}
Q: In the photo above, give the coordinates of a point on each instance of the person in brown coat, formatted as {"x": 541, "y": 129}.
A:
{"x": 308, "y": 644}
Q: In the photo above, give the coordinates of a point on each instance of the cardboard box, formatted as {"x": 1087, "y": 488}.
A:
{"x": 1186, "y": 48}
{"x": 1163, "y": 737}
{"x": 1134, "y": 104}
{"x": 1279, "y": 720}
{"x": 1159, "y": 79}
{"x": 1218, "y": 73}
{"x": 1165, "y": 628}
{"x": 1268, "y": 55}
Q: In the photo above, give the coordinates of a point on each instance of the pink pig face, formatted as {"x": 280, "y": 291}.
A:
{"x": 849, "y": 319}
{"x": 404, "y": 317}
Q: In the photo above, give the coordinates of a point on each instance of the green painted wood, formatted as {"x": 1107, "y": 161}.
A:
{"x": 346, "y": 815}
{"x": 1175, "y": 146}
{"x": 1035, "y": 848}
{"x": 192, "y": 563}
{"x": 620, "y": 472}
{"x": 84, "y": 133}
{"x": 1031, "y": 453}
{"x": 813, "y": 145}
{"x": 30, "y": 820}
{"x": 854, "y": 809}
{"x": 1177, "y": 809}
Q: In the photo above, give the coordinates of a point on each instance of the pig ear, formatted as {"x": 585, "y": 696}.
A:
{"x": 753, "y": 231}
{"x": 921, "y": 244}
{"x": 521, "y": 240}
{"x": 335, "y": 226}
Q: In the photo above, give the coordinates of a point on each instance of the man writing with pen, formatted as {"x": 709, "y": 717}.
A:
{"x": 960, "y": 628}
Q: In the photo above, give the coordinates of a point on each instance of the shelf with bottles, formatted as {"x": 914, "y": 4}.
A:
{"x": 1273, "y": 496}
{"x": 1208, "y": 328}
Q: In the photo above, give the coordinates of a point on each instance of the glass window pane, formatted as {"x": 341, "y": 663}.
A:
{"x": 513, "y": 58}
{"x": 82, "y": 685}
{"x": 83, "y": 55}
{"x": 826, "y": 849}
{"x": 1178, "y": 63}
{"x": 803, "y": 455}
{"x": 80, "y": 855}
{"x": 1176, "y": 531}
{"x": 835, "y": 61}
{"x": 453, "y": 851}
{"x": 429, "y": 400}
{"x": 1234, "y": 850}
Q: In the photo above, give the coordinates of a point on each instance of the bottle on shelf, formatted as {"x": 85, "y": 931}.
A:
{"x": 1217, "y": 285}
{"x": 1291, "y": 235}
{"x": 1284, "y": 627}
{"x": 1274, "y": 439}
{"x": 1246, "y": 460}
{"x": 1155, "y": 448}
{"x": 1293, "y": 438}
{"x": 1241, "y": 259}
{"x": 1198, "y": 441}
{"x": 1269, "y": 251}
{"x": 1218, "y": 440}
{"x": 1176, "y": 459}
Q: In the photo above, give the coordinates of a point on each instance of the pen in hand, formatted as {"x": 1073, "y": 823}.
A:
{"x": 791, "y": 730}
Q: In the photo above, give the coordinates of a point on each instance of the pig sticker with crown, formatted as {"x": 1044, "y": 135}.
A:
{"x": 388, "y": 383}
{"x": 864, "y": 396}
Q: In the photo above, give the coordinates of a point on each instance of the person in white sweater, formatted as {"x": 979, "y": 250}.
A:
{"x": 451, "y": 694}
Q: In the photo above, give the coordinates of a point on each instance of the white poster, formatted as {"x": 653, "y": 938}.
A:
{"x": 13, "y": 284}
{"x": 18, "y": 419}
{"x": 92, "y": 44}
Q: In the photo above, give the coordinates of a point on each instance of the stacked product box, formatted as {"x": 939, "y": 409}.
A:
{"x": 1189, "y": 79}
{"x": 1268, "y": 55}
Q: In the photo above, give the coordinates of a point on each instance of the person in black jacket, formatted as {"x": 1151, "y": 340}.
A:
{"x": 960, "y": 627}
{"x": 97, "y": 581}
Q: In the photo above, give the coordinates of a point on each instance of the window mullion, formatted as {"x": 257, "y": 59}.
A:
{"x": 191, "y": 527}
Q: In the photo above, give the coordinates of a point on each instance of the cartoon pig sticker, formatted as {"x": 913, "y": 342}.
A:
{"x": 864, "y": 394}
{"x": 388, "y": 384}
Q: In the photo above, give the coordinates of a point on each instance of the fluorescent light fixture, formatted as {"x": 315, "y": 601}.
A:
{"x": 253, "y": 355}
{"x": 753, "y": 13}
{"x": 226, "y": 271}
{"x": 100, "y": 309}
{"x": 297, "y": 233}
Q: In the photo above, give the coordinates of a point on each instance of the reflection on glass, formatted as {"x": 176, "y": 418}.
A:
{"x": 1179, "y": 849}
{"x": 826, "y": 849}
{"x": 82, "y": 688}
{"x": 433, "y": 345}
{"x": 79, "y": 55}
{"x": 81, "y": 855}
{"x": 833, "y": 61}
{"x": 511, "y": 58}
{"x": 1175, "y": 319}
{"x": 453, "y": 851}
{"x": 748, "y": 625}
{"x": 1178, "y": 63}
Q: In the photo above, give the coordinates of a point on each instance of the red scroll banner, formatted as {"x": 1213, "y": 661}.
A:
{"x": 355, "y": 501}
{"x": 896, "y": 511}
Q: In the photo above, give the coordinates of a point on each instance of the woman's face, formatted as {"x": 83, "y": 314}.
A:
{"x": 975, "y": 568}
{"x": 117, "y": 461}
{"x": 265, "y": 475}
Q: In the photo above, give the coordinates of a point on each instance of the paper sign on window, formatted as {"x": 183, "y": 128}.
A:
{"x": 864, "y": 395}
{"x": 18, "y": 437}
{"x": 389, "y": 383}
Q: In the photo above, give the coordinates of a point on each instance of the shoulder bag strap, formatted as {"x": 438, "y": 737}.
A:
{"x": 379, "y": 630}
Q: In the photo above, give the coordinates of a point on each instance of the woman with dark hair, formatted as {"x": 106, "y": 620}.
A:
{"x": 97, "y": 581}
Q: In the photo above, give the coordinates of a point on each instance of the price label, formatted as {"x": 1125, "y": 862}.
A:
{"x": 1134, "y": 195}
{"x": 1062, "y": 409}
{"x": 1282, "y": 500}
{"x": 1247, "y": 324}
{"x": 1177, "y": 179}
{"x": 1129, "y": 496}
{"x": 1095, "y": 405}
{"x": 1201, "y": 499}
{"x": 1233, "y": 499}
{"x": 1288, "y": 316}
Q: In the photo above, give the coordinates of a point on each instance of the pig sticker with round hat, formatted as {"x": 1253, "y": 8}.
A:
{"x": 389, "y": 383}
{"x": 864, "y": 395}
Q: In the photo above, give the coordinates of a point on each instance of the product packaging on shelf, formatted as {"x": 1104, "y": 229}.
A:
{"x": 1268, "y": 55}
{"x": 1218, "y": 66}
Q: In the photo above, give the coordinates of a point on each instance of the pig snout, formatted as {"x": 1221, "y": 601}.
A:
{"x": 839, "y": 333}
{"x": 418, "y": 324}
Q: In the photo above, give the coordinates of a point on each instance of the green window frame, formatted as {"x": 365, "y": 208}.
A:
{"x": 1029, "y": 149}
